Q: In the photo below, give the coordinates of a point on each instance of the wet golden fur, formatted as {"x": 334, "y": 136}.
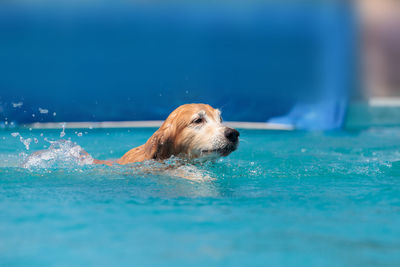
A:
{"x": 190, "y": 131}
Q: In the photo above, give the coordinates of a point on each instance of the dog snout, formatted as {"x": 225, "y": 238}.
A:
{"x": 232, "y": 135}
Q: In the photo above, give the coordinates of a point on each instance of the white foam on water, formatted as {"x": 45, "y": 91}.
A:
{"x": 190, "y": 172}
{"x": 61, "y": 153}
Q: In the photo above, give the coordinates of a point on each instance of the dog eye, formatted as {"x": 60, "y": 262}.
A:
{"x": 198, "y": 121}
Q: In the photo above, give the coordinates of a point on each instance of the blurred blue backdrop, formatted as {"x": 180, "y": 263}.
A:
{"x": 290, "y": 62}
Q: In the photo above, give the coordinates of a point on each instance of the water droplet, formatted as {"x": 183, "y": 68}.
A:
{"x": 62, "y": 134}
{"x": 43, "y": 110}
{"x": 27, "y": 142}
{"x": 17, "y": 105}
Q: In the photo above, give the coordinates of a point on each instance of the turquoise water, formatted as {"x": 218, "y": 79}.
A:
{"x": 283, "y": 198}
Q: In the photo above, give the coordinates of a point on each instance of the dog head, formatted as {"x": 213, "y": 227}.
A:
{"x": 192, "y": 131}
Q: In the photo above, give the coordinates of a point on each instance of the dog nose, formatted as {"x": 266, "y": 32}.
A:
{"x": 232, "y": 135}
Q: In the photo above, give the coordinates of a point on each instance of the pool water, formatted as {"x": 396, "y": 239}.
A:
{"x": 282, "y": 199}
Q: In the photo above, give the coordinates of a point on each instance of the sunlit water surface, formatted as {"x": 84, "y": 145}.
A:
{"x": 283, "y": 198}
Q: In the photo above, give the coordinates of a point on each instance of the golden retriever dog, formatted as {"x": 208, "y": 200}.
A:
{"x": 190, "y": 131}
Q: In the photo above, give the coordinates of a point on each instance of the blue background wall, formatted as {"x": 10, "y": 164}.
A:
{"x": 138, "y": 62}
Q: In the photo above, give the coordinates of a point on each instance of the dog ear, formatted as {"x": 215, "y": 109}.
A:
{"x": 160, "y": 144}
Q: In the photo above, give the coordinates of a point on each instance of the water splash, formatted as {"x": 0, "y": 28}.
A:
{"x": 62, "y": 134}
{"x": 24, "y": 141}
{"x": 61, "y": 153}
